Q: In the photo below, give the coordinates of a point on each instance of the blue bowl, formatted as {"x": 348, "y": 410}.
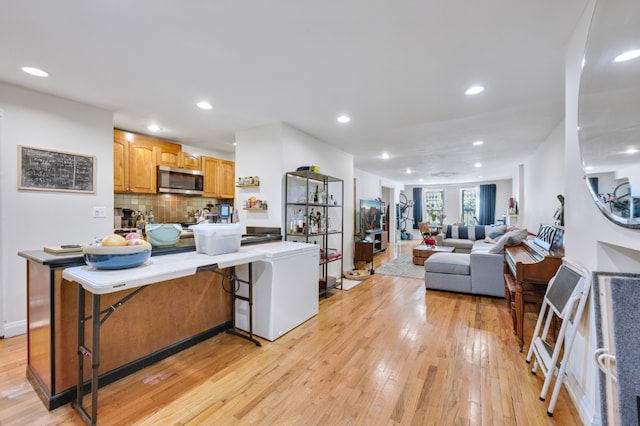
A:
{"x": 116, "y": 257}
{"x": 117, "y": 261}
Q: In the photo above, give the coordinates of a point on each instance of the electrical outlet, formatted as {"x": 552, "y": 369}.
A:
{"x": 99, "y": 212}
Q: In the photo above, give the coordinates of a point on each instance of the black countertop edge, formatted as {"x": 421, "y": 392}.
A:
{"x": 75, "y": 259}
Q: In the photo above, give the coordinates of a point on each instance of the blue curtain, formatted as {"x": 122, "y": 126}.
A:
{"x": 487, "y": 204}
{"x": 417, "y": 207}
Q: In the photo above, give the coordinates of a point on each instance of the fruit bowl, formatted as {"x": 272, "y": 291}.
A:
{"x": 116, "y": 257}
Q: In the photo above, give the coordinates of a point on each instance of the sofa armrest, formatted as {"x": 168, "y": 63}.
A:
{"x": 487, "y": 274}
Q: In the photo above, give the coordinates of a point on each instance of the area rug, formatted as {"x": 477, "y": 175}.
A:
{"x": 402, "y": 266}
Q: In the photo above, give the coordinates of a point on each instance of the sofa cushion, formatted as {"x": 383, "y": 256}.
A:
{"x": 458, "y": 244}
{"x": 474, "y": 232}
{"x": 510, "y": 239}
{"x": 449, "y": 263}
{"x": 482, "y": 246}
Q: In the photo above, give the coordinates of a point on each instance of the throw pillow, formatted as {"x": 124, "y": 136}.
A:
{"x": 497, "y": 231}
{"x": 511, "y": 238}
{"x": 489, "y": 240}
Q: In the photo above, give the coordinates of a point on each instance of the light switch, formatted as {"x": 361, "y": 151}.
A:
{"x": 100, "y": 211}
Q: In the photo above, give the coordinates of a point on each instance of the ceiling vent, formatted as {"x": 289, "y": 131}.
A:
{"x": 444, "y": 174}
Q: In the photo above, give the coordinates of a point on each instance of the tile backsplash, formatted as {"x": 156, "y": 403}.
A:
{"x": 167, "y": 208}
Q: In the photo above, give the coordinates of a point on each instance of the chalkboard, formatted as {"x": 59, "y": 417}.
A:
{"x": 46, "y": 170}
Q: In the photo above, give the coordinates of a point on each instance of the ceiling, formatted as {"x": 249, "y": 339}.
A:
{"x": 398, "y": 69}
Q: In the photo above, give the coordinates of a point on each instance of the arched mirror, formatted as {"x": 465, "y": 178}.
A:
{"x": 609, "y": 111}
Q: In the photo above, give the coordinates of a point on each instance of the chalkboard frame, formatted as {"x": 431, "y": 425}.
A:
{"x": 54, "y": 183}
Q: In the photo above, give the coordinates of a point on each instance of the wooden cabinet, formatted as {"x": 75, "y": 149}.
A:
{"x": 120, "y": 164}
{"x": 136, "y": 157}
{"x": 167, "y": 153}
{"x": 219, "y": 177}
{"x": 190, "y": 161}
{"x": 134, "y": 165}
{"x": 198, "y": 303}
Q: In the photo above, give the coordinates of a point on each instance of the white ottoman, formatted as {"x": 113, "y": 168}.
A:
{"x": 448, "y": 271}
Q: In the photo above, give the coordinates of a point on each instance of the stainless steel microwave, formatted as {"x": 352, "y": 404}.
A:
{"x": 180, "y": 181}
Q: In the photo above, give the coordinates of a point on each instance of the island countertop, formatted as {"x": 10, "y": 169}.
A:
{"x": 69, "y": 259}
{"x": 198, "y": 301}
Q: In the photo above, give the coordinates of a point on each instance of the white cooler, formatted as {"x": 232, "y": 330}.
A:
{"x": 285, "y": 288}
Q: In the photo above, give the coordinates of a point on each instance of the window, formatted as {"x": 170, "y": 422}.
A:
{"x": 434, "y": 206}
{"x": 469, "y": 201}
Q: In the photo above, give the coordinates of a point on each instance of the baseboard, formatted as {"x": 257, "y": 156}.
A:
{"x": 588, "y": 413}
{"x": 15, "y": 328}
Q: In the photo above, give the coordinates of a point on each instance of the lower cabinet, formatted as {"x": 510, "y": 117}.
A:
{"x": 160, "y": 320}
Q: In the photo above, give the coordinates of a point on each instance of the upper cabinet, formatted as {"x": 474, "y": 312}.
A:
{"x": 219, "y": 177}
{"x": 168, "y": 153}
{"x": 136, "y": 157}
{"x": 190, "y": 161}
{"x": 134, "y": 165}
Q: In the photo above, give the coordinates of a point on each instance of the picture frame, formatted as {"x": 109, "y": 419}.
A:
{"x": 41, "y": 169}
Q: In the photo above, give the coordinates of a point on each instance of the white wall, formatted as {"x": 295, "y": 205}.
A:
{"x": 272, "y": 150}
{"x": 590, "y": 239}
{"x": 259, "y": 152}
{"x": 543, "y": 180}
{"x": 34, "y": 219}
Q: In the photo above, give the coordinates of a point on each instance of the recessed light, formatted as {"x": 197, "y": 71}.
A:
{"x": 480, "y": 177}
{"x": 35, "y": 71}
{"x": 627, "y": 56}
{"x": 420, "y": 180}
{"x": 477, "y": 165}
{"x": 589, "y": 168}
{"x": 235, "y": 144}
{"x": 409, "y": 171}
{"x": 477, "y": 143}
{"x": 385, "y": 155}
{"x": 474, "y": 90}
{"x": 154, "y": 127}
{"x": 631, "y": 151}
{"x": 204, "y": 105}
{"x": 344, "y": 119}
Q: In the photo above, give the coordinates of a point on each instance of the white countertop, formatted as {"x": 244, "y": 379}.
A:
{"x": 156, "y": 269}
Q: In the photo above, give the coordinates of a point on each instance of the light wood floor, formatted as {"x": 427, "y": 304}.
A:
{"x": 382, "y": 353}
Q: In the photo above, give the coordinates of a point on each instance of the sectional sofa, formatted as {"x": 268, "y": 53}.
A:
{"x": 478, "y": 271}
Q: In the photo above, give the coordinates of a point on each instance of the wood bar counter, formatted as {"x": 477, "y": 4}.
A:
{"x": 158, "y": 322}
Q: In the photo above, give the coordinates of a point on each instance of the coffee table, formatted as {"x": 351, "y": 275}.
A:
{"x": 422, "y": 252}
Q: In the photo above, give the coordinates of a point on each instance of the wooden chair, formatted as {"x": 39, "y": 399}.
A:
{"x": 564, "y": 299}
{"x": 425, "y": 231}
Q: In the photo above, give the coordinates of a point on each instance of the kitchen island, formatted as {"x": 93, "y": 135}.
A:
{"x": 164, "y": 318}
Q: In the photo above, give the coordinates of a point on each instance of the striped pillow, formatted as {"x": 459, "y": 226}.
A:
{"x": 474, "y": 233}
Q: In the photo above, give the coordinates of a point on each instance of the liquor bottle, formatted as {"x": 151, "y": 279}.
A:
{"x": 315, "y": 195}
{"x": 312, "y": 222}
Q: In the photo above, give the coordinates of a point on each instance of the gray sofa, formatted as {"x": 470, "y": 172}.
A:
{"x": 477, "y": 272}
{"x": 462, "y": 237}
